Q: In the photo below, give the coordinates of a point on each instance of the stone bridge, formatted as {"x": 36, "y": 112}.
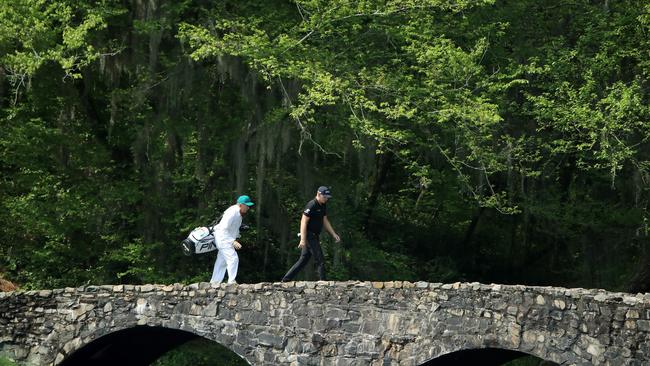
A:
{"x": 328, "y": 323}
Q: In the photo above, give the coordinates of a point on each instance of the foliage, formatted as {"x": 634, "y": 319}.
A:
{"x": 525, "y": 361}
{"x": 469, "y": 140}
{"x": 34, "y": 33}
{"x": 200, "y": 352}
{"x": 6, "y": 362}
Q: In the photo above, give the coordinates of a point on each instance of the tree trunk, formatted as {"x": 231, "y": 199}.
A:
{"x": 376, "y": 182}
{"x": 469, "y": 251}
{"x": 640, "y": 281}
{"x": 259, "y": 198}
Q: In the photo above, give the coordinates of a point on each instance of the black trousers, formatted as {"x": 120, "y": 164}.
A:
{"x": 311, "y": 249}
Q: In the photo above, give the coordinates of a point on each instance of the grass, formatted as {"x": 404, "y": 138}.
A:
{"x": 7, "y": 362}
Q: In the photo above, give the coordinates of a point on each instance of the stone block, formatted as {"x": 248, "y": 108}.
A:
{"x": 643, "y": 325}
{"x": 271, "y": 340}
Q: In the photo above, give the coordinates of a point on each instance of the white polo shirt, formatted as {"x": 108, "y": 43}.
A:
{"x": 227, "y": 230}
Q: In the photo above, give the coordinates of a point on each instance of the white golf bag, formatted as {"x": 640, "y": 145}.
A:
{"x": 200, "y": 241}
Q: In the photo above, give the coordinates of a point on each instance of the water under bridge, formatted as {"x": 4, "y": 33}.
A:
{"x": 328, "y": 323}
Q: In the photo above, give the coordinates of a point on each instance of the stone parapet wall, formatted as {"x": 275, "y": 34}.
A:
{"x": 338, "y": 323}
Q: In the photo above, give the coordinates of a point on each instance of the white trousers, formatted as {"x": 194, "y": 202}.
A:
{"x": 227, "y": 259}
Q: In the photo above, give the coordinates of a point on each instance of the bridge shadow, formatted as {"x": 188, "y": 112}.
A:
{"x": 487, "y": 357}
{"x": 138, "y": 346}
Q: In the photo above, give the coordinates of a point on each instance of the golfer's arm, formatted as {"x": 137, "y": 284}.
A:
{"x": 303, "y": 228}
{"x": 328, "y": 226}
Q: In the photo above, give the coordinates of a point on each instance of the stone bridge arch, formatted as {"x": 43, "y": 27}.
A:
{"x": 139, "y": 345}
{"x": 338, "y": 323}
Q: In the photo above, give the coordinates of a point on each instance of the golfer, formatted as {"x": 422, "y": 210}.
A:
{"x": 314, "y": 218}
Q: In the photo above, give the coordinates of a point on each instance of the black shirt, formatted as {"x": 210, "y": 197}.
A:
{"x": 315, "y": 211}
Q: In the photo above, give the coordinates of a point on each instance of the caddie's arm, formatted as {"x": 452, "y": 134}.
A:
{"x": 229, "y": 223}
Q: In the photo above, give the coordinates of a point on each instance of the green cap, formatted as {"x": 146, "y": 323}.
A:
{"x": 245, "y": 200}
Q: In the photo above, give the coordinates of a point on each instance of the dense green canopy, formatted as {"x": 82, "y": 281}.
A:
{"x": 494, "y": 141}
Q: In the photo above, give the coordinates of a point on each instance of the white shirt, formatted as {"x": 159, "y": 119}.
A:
{"x": 227, "y": 230}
